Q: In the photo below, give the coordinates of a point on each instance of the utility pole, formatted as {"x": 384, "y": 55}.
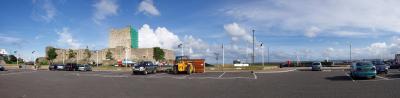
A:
{"x": 252, "y": 59}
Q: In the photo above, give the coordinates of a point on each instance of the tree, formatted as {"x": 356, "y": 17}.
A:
{"x": 109, "y": 55}
{"x": 158, "y": 54}
{"x": 88, "y": 53}
{"x": 13, "y": 59}
{"x": 71, "y": 54}
{"x": 51, "y": 54}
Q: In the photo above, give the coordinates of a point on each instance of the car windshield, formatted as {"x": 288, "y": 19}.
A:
{"x": 144, "y": 63}
{"x": 364, "y": 64}
{"x": 379, "y": 63}
{"x": 316, "y": 64}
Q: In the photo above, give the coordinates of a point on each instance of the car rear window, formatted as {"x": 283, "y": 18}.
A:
{"x": 316, "y": 64}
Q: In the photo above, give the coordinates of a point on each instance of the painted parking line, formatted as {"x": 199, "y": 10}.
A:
{"x": 15, "y": 73}
{"x": 278, "y": 71}
{"x": 221, "y": 75}
{"x": 350, "y": 77}
{"x": 382, "y": 77}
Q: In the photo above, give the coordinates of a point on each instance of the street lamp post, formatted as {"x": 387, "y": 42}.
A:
{"x": 97, "y": 58}
{"x": 223, "y": 57}
{"x": 252, "y": 58}
{"x": 63, "y": 56}
{"x": 268, "y": 54}
{"x": 262, "y": 53}
{"x": 350, "y": 52}
{"x": 16, "y": 53}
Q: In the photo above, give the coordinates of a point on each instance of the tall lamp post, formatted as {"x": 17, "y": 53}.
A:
{"x": 223, "y": 57}
{"x": 97, "y": 58}
{"x": 17, "y": 56}
{"x": 262, "y": 53}
{"x": 252, "y": 57}
{"x": 181, "y": 46}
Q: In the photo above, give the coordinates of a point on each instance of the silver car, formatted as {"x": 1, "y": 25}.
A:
{"x": 316, "y": 66}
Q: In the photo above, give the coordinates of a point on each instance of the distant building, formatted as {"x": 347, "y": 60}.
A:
{"x": 123, "y": 45}
{"x": 125, "y": 37}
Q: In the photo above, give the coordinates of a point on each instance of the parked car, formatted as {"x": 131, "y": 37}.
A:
{"x": 362, "y": 69}
{"x": 2, "y": 68}
{"x": 381, "y": 67}
{"x": 144, "y": 67}
{"x": 316, "y": 66}
{"x": 84, "y": 67}
{"x": 71, "y": 67}
{"x": 56, "y": 67}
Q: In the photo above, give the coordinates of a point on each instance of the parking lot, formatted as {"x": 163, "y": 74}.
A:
{"x": 106, "y": 84}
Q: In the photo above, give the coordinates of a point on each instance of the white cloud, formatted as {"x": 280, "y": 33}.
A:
{"x": 312, "y": 31}
{"x": 104, "y": 9}
{"x": 167, "y": 39}
{"x": 350, "y": 34}
{"x": 161, "y": 37}
{"x": 65, "y": 37}
{"x": 236, "y": 32}
{"x": 147, "y": 7}
{"x": 329, "y": 16}
{"x": 10, "y": 40}
{"x": 44, "y": 10}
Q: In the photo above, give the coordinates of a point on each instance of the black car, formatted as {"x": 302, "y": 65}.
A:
{"x": 2, "y": 68}
{"x": 144, "y": 67}
{"x": 71, "y": 67}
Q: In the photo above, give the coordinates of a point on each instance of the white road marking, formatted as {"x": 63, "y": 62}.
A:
{"x": 14, "y": 73}
{"x": 278, "y": 71}
{"x": 350, "y": 77}
{"x": 221, "y": 75}
{"x": 382, "y": 77}
{"x": 255, "y": 76}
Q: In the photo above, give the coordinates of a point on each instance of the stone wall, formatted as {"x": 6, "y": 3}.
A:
{"x": 118, "y": 53}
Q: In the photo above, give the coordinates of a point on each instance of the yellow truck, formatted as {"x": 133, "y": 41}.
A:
{"x": 185, "y": 65}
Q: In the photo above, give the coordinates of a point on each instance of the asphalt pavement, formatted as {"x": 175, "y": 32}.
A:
{"x": 108, "y": 84}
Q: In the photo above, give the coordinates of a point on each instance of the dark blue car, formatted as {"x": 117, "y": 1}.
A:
{"x": 144, "y": 67}
{"x": 381, "y": 67}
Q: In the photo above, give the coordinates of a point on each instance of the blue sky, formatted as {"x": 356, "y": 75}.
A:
{"x": 308, "y": 29}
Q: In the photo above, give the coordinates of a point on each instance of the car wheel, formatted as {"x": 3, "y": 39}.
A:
{"x": 175, "y": 70}
{"x": 133, "y": 73}
{"x": 154, "y": 71}
{"x": 188, "y": 70}
{"x": 145, "y": 72}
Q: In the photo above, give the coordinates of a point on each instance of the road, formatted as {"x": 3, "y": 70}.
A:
{"x": 106, "y": 84}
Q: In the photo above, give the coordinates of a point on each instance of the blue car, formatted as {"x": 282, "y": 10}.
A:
{"x": 363, "y": 69}
{"x": 381, "y": 67}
